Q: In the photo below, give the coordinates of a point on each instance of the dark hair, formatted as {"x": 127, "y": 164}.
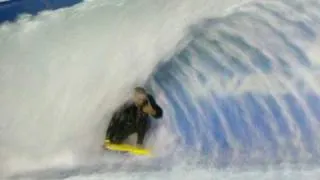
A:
{"x": 140, "y": 90}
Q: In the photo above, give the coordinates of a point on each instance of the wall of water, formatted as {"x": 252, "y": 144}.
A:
{"x": 245, "y": 87}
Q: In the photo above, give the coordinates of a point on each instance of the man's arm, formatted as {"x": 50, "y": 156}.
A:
{"x": 152, "y": 108}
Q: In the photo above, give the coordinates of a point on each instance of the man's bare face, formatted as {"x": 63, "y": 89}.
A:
{"x": 139, "y": 98}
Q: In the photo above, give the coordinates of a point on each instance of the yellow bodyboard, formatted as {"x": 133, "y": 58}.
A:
{"x": 126, "y": 148}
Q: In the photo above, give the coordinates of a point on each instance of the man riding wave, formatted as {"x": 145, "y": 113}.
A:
{"x": 133, "y": 117}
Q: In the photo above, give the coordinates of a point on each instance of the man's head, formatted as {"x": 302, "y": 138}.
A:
{"x": 140, "y": 96}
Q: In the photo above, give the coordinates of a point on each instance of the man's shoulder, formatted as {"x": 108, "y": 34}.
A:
{"x": 126, "y": 105}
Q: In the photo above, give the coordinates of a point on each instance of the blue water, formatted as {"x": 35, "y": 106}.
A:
{"x": 10, "y": 10}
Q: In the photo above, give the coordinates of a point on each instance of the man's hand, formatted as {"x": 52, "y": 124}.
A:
{"x": 148, "y": 109}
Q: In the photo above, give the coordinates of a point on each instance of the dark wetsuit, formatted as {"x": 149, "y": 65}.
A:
{"x": 131, "y": 119}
